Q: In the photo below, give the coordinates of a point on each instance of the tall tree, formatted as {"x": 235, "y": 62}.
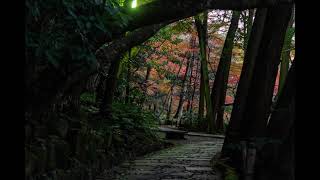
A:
{"x": 168, "y": 117}
{"x": 261, "y": 89}
{"x": 248, "y": 26}
{"x": 232, "y": 138}
{"x": 219, "y": 87}
{"x": 201, "y": 25}
{"x": 192, "y": 89}
{"x": 285, "y": 55}
{"x": 109, "y": 90}
{"x": 254, "y": 115}
{"x": 183, "y": 89}
{"x": 145, "y": 83}
{"x": 278, "y": 153}
{"x": 201, "y": 96}
{"x": 128, "y": 78}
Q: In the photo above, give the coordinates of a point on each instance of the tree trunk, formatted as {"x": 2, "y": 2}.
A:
{"x": 248, "y": 28}
{"x": 145, "y": 83}
{"x": 232, "y": 137}
{"x": 285, "y": 55}
{"x": 189, "y": 83}
{"x": 169, "y": 110}
{"x": 110, "y": 87}
{"x": 219, "y": 87}
{"x": 278, "y": 159}
{"x": 190, "y": 103}
{"x": 100, "y": 88}
{"x": 128, "y": 78}
{"x": 203, "y": 41}
{"x": 183, "y": 91}
{"x": 259, "y": 99}
{"x": 262, "y": 85}
{"x": 201, "y": 98}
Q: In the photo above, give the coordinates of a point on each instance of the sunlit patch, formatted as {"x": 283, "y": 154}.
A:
{"x": 134, "y": 4}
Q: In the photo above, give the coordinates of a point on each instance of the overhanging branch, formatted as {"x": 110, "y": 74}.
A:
{"x": 166, "y": 10}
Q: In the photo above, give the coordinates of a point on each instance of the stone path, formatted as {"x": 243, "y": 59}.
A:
{"x": 190, "y": 160}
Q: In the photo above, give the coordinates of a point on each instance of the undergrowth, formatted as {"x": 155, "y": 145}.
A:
{"x": 129, "y": 132}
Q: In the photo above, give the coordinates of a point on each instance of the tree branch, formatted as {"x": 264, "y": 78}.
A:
{"x": 164, "y": 10}
{"x": 110, "y": 52}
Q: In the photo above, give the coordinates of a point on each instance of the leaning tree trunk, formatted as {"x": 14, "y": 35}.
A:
{"x": 278, "y": 154}
{"x": 233, "y": 129}
{"x": 265, "y": 71}
{"x": 100, "y": 88}
{"x": 248, "y": 28}
{"x": 203, "y": 41}
{"x": 259, "y": 99}
{"x": 201, "y": 98}
{"x": 110, "y": 88}
{"x": 183, "y": 91}
{"x": 285, "y": 56}
{"x": 168, "y": 118}
{"x": 128, "y": 78}
{"x": 219, "y": 87}
{"x": 145, "y": 84}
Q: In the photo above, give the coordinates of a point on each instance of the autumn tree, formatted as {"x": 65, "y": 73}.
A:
{"x": 183, "y": 89}
{"x": 219, "y": 87}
